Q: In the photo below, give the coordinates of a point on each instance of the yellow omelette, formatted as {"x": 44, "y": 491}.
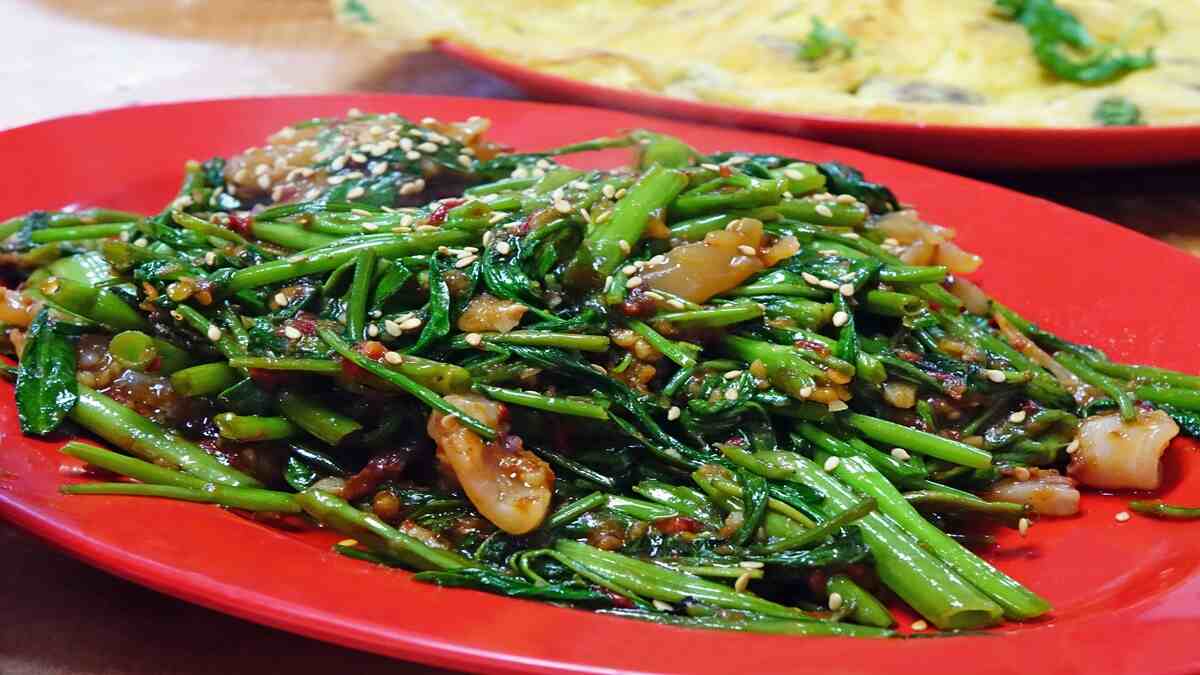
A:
{"x": 935, "y": 61}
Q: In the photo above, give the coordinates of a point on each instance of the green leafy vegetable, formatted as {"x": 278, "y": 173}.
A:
{"x": 46, "y": 389}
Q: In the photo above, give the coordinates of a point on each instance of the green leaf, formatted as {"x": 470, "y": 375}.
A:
{"x": 299, "y": 475}
{"x": 482, "y": 579}
{"x": 437, "y": 324}
{"x": 823, "y": 41}
{"x": 1117, "y": 111}
{"x": 46, "y": 388}
{"x": 1063, "y": 45}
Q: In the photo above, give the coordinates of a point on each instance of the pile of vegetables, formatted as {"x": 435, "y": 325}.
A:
{"x": 735, "y": 390}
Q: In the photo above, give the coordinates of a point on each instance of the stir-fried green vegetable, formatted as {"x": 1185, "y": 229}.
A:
{"x": 714, "y": 390}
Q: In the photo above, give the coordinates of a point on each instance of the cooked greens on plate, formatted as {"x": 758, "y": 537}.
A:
{"x": 731, "y": 390}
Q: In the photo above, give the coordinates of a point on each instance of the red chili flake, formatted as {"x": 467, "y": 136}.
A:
{"x": 240, "y": 224}
{"x": 372, "y": 349}
{"x": 155, "y": 365}
{"x": 619, "y": 601}
{"x": 817, "y": 581}
{"x": 735, "y": 440}
{"x": 270, "y": 379}
{"x": 637, "y": 303}
{"x": 438, "y": 216}
{"x": 380, "y": 468}
{"x": 352, "y": 371}
{"x": 812, "y": 346}
{"x": 911, "y": 357}
{"x": 305, "y": 326}
{"x": 678, "y": 524}
{"x": 726, "y": 171}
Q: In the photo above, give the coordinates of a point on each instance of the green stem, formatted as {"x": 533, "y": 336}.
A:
{"x": 249, "y": 499}
{"x": 552, "y": 404}
{"x": 139, "y": 436}
{"x": 328, "y": 425}
{"x": 890, "y": 433}
{"x": 419, "y": 391}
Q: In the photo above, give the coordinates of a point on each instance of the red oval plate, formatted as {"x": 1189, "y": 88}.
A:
{"x": 1127, "y": 594}
{"x": 965, "y": 147}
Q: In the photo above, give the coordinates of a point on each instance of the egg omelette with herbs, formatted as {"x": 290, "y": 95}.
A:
{"x": 1036, "y": 63}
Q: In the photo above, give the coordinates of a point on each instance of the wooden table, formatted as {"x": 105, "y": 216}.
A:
{"x": 66, "y": 56}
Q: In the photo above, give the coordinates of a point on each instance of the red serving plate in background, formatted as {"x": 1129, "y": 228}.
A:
{"x": 1127, "y": 595}
{"x": 964, "y": 147}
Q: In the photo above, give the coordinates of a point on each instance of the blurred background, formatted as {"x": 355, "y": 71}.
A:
{"x": 71, "y": 56}
{"x": 81, "y": 55}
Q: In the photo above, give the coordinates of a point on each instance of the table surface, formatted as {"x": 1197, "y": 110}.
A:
{"x": 74, "y": 619}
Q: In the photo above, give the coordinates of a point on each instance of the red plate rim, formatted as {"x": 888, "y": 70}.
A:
{"x": 1109, "y": 146}
{"x": 1143, "y": 624}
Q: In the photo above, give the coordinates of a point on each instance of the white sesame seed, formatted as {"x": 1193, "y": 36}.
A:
{"x": 996, "y": 376}
{"x": 793, "y": 174}
{"x": 742, "y": 582}
{"x": 1021, "y": 473}
{"x": 292, "y": 333}
{"x": 835, "y": 601}
{"x": 846, "y": 289}
{"x": 465, "y": 261}
{"x": 1073, "y": 446}
{"x": 474, "y": 339}
{"x": 585, "y": 214}
{"x": 831, "y": 464}
{"x": 394, "y": 358}
{"x": 608, "y": 191}
{"x": 210, "y": 258}
{"x": 624, "y": 246}
{"x": 620, "y": 193}
{"x": 562, "y": 206}
{"x": 747, "y": 249}
{"x": 373, "y": 330}
{"x": 676, "y": 304}
{"x": 633, "y": 282}
{"x": 428, "y": 147}
{"x": 214, "y": 333}
{"x": 811, "y": 278}
{"x": 733, "y": 374}
{"x": 1017, "y": 417}
{"x": 409, "y": 324}
{"x": 264, "y": 181}
{"x": 837, "y": 405}
{"x": 846, "y": 199}
{"x": 599, "y": 369}
{"x": 731, "y": 394}
{"x": 356, "y": 192}
{"x": 1122, "y": 516}
{"x": 1023, "y": 526}
{"x": 751, "y": 565}
{"x": 737, "y": 159}
{"x": 673, "y": 413}
{"x": 412, "y": 155}
{"x": 338, "y": 164}
{"x": 663, "y": 606}
{"x": 900, "y": 454}
{"x": 392, "y": 327}
{"x": 335, "y": 180}
{"x": 379, "y": 169}
{"x": 406, "y": 144}
{"x": 826, "y": 283}
{"x": 840, "y": 318}
{"x": 823, "y": 210}
{"x": 370, "y": 227}
{"x": 919, "y": 625}
{"x": 464, "y": 160}
{"x": 629, "y": 270}
{"x": 503, "y": 247}
{"x": 805, "y": 392}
